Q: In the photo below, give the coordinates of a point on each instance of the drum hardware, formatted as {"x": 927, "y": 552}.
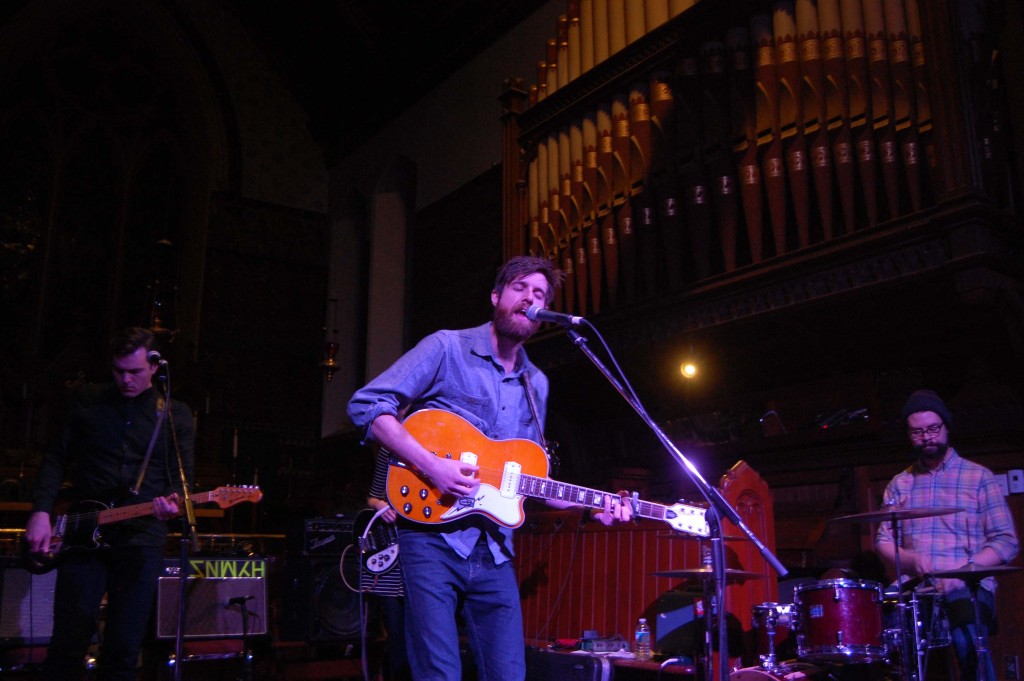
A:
{"x": 893, "y": 514}
{"x": 786, "y": 671}
{"x": 922, "y": 625}
{"x": 911, "y": 586}
{"x": 769, "y": 618}
{"x": 705, "y": 573}
{"x": 972, "y": 574}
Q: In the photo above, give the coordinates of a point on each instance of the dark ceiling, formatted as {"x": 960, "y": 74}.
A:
{"x": 356, "y": 64}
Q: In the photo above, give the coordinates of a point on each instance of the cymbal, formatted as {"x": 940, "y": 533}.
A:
{"x": 898, "y": 514}
{"x": 973, "y": 571}
{"x": 910, "y": 587}
{"x": 705, "y": 573}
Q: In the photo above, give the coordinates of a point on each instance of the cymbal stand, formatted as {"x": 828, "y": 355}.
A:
{"x": 980, "y": 632}
{"x": 714, "y": 595}
{"x": 719, "y": 509}
{"x": 906, "y": 671}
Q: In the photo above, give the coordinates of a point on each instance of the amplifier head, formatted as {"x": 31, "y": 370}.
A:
{"x": 327, "y": 536}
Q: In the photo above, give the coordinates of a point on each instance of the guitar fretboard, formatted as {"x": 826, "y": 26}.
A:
{"x": 546, "y": 488}
{"x": 117, "y": 514}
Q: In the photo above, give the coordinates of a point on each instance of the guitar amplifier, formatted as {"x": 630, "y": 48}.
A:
{"x": 213, "y": 607}
{"x": 548, "y": 665}
{"x": 213, "y": 591}
{"x": 327, "y": 536}
{"x": 26, "y": 605}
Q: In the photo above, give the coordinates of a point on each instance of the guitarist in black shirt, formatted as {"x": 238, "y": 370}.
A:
{"x": 102, "y": 451}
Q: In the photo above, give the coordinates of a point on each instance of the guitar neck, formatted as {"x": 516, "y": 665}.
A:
{"x": 114, "y": 515}
{"x": 546, "y": 488}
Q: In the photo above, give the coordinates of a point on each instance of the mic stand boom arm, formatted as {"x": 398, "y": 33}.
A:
{"x": 714, "y": 497}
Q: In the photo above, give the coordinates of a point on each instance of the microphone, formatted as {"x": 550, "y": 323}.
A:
{"x": 540, "y": 314}
{"x": 238, "y": 600}
{"x": 154, "y": 358}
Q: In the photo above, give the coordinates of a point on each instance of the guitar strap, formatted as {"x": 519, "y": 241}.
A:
{"x": 161, "y": 412}
{"x": 525, "y": 377}
{"x": 548, "y": 446}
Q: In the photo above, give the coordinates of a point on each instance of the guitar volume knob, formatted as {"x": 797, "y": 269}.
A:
{"x": 405, "y": 490}
{"x": 423, "y": 494}
{"x": 407, "y": 508}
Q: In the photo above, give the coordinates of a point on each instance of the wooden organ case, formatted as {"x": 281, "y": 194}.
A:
{"x": 729, "y": 138}
{"x": 724, "y": 160}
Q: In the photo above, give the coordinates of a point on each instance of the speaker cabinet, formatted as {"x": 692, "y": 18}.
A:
{"x": 26, "y": 605}
{"x": 212, "y": 606}
{"x": 317, "y": 605}
{"x": 678, "y": 627}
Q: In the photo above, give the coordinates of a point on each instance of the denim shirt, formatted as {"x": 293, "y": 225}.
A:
{"x": 457, "y": 371}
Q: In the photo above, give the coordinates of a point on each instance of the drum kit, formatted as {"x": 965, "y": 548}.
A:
{"x": 849, "y": 628}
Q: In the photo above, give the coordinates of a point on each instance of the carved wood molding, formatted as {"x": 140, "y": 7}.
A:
{"x": 854, "y": 265}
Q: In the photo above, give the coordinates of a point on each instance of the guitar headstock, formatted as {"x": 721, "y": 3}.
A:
{"x": 229, "y": 495}
{"x": 688, "y": 518}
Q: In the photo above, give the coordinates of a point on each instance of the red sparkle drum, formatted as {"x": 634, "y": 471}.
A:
{"x": 839, "y": 620}
{"x": 789, "y": 671}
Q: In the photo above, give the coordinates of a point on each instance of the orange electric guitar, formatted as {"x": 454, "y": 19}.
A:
{"x": 80, "y": 527}
{"x": 510, "y": 471}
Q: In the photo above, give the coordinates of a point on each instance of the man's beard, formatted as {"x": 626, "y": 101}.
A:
{"x": 513, "y": 326}
{"x": 933, "y": 452}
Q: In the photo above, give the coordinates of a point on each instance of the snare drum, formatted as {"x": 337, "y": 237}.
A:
{"x": 930, "y": 619}
{"x": 925, "y": 620}
{"x": 839, "y": 620}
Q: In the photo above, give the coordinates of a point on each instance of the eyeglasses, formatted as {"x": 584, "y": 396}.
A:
{"x": 930, "y": 431}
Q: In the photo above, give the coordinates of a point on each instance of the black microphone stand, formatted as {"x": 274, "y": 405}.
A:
{"x": 247, "y": 667}
{"x": 721, "y": 507}
{"x": 188, "y": 535}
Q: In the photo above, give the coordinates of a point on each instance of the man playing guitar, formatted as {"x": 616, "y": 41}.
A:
{"x": 462, "y": 567}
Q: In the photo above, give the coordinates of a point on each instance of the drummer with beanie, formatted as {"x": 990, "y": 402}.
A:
{"x": 977, "y": 532}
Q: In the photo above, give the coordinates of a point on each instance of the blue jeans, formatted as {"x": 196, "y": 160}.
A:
{"x": 964, "y": 631}
{"x": 129, "y": 578}
{"x": 440, "y": 586}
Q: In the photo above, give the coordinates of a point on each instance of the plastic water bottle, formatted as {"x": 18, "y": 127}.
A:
{"x": 642, "y": 640}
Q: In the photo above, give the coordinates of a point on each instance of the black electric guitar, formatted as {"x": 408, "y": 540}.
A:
{"x": 79, "y": 529}
{"x": 377, "y": 542}
{"x": 509, "y": 471}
